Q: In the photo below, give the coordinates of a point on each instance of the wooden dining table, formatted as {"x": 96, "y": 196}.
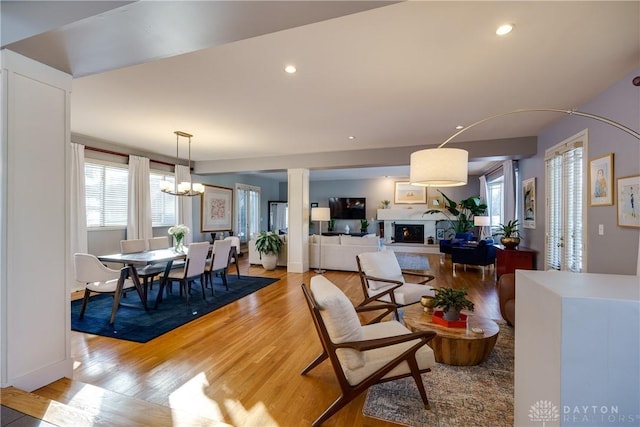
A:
{"x": 137, "y": 259}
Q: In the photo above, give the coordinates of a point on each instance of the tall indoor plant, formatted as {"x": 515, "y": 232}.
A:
{"x": 268, "y": 245}
{"x": 461, "y": 213}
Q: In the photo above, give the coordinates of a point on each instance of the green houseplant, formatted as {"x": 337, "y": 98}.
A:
{"x": 364, "y": 224}
{"x": 268, "y": 245}
{"x": 451, "y": 301}
{"x": 331, "y": 223}
{"x": 460, "y": 213}
{"x": 510, "y": 234}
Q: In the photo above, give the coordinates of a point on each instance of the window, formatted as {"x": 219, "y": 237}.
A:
{"x": 495, "y": 201}
{"x": 106, "y": 190}
{"x": 163, "y": 205}
{"x": 248, "y": 211}
{"x": 565, "y": 245}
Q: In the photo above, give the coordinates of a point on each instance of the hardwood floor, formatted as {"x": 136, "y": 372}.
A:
{"x": 241, "y": 364}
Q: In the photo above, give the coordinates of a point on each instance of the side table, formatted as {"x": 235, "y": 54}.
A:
{"x": 510, "y": 260}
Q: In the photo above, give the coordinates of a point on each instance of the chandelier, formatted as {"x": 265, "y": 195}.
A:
{"x": 185, "y": 188}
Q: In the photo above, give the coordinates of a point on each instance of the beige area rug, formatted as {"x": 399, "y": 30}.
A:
{"x": 466, "y": 396}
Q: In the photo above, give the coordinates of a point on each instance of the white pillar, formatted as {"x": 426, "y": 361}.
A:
{"x": 35, "y": 271}
{"x": 298, "y": 236}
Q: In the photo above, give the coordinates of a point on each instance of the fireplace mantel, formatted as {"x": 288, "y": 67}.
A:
{"x": 408, "y": 214}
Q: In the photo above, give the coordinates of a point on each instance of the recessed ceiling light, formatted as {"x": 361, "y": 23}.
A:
{"x": 505, "y": 29}
{"x": 351, "y": 137}
{"x": 290, "y": 69}
{"x": 459, "y": 127}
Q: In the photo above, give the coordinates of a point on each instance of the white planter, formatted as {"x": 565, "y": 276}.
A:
{"x": 269, "y": 261}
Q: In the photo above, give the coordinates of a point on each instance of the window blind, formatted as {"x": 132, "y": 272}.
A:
{"x": 564, "y": 166}
{"x": 163, "y": 205}
{"x": 106, "y": 191}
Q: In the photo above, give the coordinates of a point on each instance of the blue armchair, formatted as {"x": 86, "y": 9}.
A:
{"x": 458, "y": 240}
{"x": 482, "y": 254}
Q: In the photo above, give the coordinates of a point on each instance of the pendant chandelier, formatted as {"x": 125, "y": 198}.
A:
{"x": 185, "y": 188}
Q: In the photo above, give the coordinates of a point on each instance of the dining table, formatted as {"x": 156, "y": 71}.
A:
{"x": 137, "y": 259}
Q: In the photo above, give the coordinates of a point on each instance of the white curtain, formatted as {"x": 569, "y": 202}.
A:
{"x": 78, "y": 211}
{"x": 185, "y": 207}
{"x": 139, "y": 210}
{"x": 509, "y": 191}
{"x": 483, "y": 193}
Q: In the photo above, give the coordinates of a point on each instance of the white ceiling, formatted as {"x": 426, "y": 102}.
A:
{"x": 392, "y": 75}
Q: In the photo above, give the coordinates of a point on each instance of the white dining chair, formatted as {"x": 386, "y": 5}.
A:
{"x": 148, "y": 272}
{"x": 234, "y": 253}
{"x": 161, "y": 242}
{"x": 219, "y": 262}
{"x": 100, "y": 279}
{"x": 193, "y": 269}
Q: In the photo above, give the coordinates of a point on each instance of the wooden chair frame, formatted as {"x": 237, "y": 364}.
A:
{"x": 349, "y": 392}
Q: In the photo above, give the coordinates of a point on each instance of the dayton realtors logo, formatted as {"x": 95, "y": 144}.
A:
{"x": 544, "y": 411}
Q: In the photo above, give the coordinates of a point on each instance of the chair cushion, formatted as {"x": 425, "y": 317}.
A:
{"x": 409, "y": 293}
{"x": 383, "y": 264}
{"x": 375, "y": 359}
{"x": 340, "y": 318}
{"x": 109, "y": 285}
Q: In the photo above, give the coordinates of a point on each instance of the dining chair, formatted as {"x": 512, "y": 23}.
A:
{"x": 161, "y": 242}
{"x": 234, "y": 253}
{"x": 193, "y": 269}
{"x": 100, "y": 279}
{"x": 383, "y": 280}
{"x": 218, "y": 264}
{"x": 148, "y": 272}
{"x": 363, "y": 355}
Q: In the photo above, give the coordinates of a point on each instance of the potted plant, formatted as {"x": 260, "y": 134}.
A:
{"x": 385, "y": 204}
{"x": 268, "y": 245}
{"x": 451, "y": 301}
{"x": 461, "y": 213}
{"x": 332, "y": 223}
{"x": 510, "y": 234}
{"x": 364, "y": 224}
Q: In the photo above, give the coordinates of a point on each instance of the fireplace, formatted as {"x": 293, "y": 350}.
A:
{"x": 409, "y": 233}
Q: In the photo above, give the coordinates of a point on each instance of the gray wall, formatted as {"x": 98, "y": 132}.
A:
{"x": 616, "y": 251}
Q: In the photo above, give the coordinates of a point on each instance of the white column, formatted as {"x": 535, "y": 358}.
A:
{"x": 298, "y": 236}
{"x": 35, "y": 272}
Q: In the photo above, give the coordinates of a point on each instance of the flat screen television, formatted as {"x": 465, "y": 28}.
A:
{"x": 348, "y": 207}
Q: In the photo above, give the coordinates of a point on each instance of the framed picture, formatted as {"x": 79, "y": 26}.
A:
{"x": 529, "y": 203}
{"x": 601, "y": 181}
{"x": 628, "y": 209}
{"x": 216, "y": 204}
{"x": 435, "y": 202}
{"x": 407, "y": 193}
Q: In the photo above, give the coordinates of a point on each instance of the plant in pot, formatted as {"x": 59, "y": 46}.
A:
{"x": 332, "y": 223}
{"x": 364, "y": 224}
{"x": 268, "y": 245}
{"x": 510, "y": 234}
{"x": 460, "y": 213}
{"x": 385, "y": 204}
{"x": 451, "y": 301}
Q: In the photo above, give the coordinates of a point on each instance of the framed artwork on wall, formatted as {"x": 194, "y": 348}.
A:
{"x": 628, "y": 209}
{"x": 406, "y": 193}
{"x": 529, "y": 203}
{"x": 216, "y": 204}
{"x": 601, "y": 181}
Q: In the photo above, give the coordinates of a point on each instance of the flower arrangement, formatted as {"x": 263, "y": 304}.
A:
{"x": 178, "y": 232}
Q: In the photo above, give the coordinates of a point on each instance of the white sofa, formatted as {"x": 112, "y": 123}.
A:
{"x": 339, "y": 252}
{"x": 254, "y": 256}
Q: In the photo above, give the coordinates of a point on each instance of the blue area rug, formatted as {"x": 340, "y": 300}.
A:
{"x": 136, "y": 324}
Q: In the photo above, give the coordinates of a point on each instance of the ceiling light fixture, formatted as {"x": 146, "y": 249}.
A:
{"x": 185, "y": 188}
{"x": 290, "y": 69}
{"x": 459, "y": 127}
{"x": 351, "y": 137}
{"x": 448, "y": 167}
{"x": 504, "y": 29}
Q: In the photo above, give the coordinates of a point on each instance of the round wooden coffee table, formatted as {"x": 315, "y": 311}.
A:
{"x": 455, "y": 346}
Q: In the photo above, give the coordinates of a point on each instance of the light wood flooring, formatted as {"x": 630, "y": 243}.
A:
{"x": 239, "y": 365}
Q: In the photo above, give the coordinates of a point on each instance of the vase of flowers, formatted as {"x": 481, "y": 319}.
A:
{"x": 178, "y": 232}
